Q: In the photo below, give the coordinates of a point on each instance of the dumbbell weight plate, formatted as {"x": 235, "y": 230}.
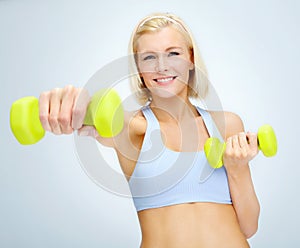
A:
{"x": 24, "y": 120}
{"x": 214, "y": 150}
{"x": 267, "y": 141}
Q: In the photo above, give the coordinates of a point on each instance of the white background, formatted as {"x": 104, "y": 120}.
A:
{"x": 251, "y": 49}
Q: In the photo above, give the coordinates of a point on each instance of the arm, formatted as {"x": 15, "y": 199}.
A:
{"x": 62, "y": 111}
{"x": 241, "y": 147}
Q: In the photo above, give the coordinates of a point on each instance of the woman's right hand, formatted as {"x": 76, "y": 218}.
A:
{"x": 62, "y": 110}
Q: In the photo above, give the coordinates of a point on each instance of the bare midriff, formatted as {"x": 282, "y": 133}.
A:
{"x": 191, "y": 225}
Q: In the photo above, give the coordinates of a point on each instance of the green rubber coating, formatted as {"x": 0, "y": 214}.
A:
{"x": 105, "y": 112}
{"x": 267, "y": 143}
{"x": 214, "y": 150}
{"x": 25, "y": 122}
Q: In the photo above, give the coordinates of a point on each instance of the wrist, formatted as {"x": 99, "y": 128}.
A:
{"x": 238, "y": 172}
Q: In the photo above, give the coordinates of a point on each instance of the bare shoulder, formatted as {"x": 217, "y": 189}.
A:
{"x": 135, "y": 123}
{"x": 228, "y": 123}
{"x": 234, "y": 124}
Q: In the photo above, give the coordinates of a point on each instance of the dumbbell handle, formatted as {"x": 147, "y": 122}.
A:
{"x": 105, "y": 112}
{"x": 267, "y": 143}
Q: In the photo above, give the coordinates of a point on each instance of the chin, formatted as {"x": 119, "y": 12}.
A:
{"x": 163, "y": 93}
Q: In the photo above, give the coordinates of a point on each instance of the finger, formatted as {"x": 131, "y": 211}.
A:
{"x": 55, "y": 102}
{"x": 229, "y": 145}
{"x": 65, "y": 114}
{"x": 235, "y": 142}
{"x": 242, "y": 138}
{"x": 244, "y": 146}
{"x": 252, "y": 138}
{"x": 80, "y": 107}
{"x": 44, "y": 110}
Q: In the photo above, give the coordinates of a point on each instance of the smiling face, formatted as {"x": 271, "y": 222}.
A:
{"x": 164, "y": 62}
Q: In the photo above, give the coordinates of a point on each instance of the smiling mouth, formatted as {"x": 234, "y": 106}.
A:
{"x": 164, "y": 80}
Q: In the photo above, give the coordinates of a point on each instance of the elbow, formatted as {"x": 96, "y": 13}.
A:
{"x": 251, "y": 227}
{"x": 251, "y": 231}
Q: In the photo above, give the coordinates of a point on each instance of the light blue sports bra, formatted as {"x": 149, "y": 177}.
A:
{"x": 163, "y": 177}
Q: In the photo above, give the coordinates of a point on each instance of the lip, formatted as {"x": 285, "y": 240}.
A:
{"x": 164, "y": 81}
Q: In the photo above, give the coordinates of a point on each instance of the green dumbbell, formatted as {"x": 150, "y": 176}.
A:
{"x": 267, "y": 143}
{"x": 105, "y": 112}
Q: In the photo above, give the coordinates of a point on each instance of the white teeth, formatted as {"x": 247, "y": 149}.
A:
{"x": 163, "y": 80}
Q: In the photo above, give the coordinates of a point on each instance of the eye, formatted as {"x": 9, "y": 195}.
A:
{"x": 149, "y": 57}
{"x": 173, "y": 54}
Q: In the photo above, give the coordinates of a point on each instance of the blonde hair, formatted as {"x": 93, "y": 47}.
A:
{"x": 198, "y": 82}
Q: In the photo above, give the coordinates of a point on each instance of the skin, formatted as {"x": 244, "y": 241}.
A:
{"x": 196, "y": 224}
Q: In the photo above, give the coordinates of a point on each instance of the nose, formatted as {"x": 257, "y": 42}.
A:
{"x": 162, "y": 65}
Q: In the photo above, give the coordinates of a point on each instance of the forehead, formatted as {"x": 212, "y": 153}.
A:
{"x": 159, "y": 41}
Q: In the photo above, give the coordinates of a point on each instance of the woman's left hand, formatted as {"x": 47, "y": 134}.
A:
{"x": 240, "y": 149}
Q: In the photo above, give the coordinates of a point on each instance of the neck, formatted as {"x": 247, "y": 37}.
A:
{"x": 173, "y": 108}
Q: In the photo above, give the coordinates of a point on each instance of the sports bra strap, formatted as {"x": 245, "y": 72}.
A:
{"x": 210, "y": 124}
{"x": 151, "y": 118}
{"x": 212, "y": 129}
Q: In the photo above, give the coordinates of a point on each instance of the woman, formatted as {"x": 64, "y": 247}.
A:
{"x": 221, "y": 211}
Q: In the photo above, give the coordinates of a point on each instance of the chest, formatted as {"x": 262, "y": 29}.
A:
{"x": 188, "y": 136}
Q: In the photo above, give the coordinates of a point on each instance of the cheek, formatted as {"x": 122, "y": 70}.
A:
{"x": 146, "y": 76}
{"x": 180, "y": 64}
{"x": 183, "y": 71}
{"x": 147, "y": 79}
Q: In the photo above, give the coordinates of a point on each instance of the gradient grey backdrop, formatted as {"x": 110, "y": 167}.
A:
{"x": 251, "y": 49}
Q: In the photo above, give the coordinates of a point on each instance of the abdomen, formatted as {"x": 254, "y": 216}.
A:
{"x": 191, "y": 225}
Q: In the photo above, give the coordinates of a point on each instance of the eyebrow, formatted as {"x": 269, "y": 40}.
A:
{"x": 174, "y": 47}
{"x": 168, "y": 49}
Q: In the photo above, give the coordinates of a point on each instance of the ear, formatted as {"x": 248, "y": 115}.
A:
{"x": 192, "y": 63}
{"x": 192, "y": 66}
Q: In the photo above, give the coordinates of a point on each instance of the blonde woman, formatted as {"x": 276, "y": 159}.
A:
{"x": 173, "y": 211}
